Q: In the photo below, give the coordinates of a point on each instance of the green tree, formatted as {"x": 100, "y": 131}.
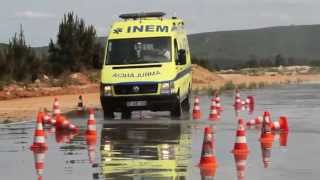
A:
{"x": 252, "y": 62}
{"x": 21, "y": 61}
{"x": 279, "y": 60}
{"x": 76, "y": 48}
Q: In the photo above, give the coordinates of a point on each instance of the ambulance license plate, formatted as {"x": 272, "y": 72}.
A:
{"x": 136, "y": 103}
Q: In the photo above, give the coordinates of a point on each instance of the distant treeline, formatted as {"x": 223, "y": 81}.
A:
{"x": 75, "y": 50}
{"x": 253, "y": 62}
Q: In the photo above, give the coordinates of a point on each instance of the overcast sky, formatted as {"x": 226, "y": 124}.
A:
{"x": 40, "y": 18}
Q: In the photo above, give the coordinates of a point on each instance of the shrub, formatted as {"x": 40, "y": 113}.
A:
{"x": 228, "y": 86}
{"x": 261, "y": 85}
{"x": 252, "y": 85}
{"x": 242, "y": 86}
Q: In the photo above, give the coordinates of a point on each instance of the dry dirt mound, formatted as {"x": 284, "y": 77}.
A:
{"x": 203, "y": 77}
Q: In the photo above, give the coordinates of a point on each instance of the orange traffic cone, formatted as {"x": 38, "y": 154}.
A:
{"x": 208, "y": 158}
{"x": 61, "y": 122}
{"x": 91, "y": 125}
{"x": 281, "y": 125}
{"x": 266, "y": 153}
{"x": 196, "y": 113}
{"x": 80, "y": 106}
{"x": 73, "y": 128}
{"x": 214, "y": 114}
{"x": 237, "y": 100}
{"x": 241, "y": 163}
{"x": 217, "y": 99}
{"x": 266, "y": 134}
{"x": 46, "y": 117}
{"x": 254, "y": 122}
{"x": 39, "y": 135}
{"x": 267, "y": 118}
{"x": 39, "y": 156}
{"x": 56, "y": 107}
{"x": 240, "y": 146}
{"x": 251, "y": 123}
{"x": 250, "y": 100}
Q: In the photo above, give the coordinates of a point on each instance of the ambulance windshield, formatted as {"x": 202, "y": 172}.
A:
{"x": 139, "y": 50}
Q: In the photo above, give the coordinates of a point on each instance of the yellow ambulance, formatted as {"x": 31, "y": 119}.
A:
{"x": 147, "y": 65}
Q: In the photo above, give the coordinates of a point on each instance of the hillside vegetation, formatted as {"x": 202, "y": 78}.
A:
{"x": 299, "y": 44}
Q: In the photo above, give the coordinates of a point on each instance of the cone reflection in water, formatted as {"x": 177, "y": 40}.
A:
{"x": 91, "y": 145}
{"x": 208, "y": 158}
{"x": 196, "y": 112}
{"x": 39, "y": 156}
{"x": 266, "y": 153}
{"x": 64, "y": 136}
{"x": 283, "y": 140}
{"x": 241, "y": 163}
{"x": 208, "y": 173}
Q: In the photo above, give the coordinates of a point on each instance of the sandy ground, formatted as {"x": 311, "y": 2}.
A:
{"x": 25, "y": 108}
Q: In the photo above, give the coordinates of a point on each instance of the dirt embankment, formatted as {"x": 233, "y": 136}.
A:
{"x": 18, "y": 103}
{"x": 204, "y": 79}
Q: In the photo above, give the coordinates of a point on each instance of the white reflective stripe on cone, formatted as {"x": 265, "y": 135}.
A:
{"x": 39, "y": 126}
{"x": 197, "y": 108}
{"x": 92, "y": 127}
{"x": 197, "y": 100}
{"x": 91, "y": 116}
{"x": 241, "y": 139}
{"x": 242, "y": 163}
{"x": 39, "y": 139}
{"x": 276, "y": 125}
{"x": 57, "y": 111}
{"x": 39, "y": 157}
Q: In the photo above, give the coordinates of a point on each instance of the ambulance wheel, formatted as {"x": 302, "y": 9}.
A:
{"x": 186, "y": 103}
{"x": 108, "y": 113}
{"x": 177, "y": 109}
{"x": 126, "y": 114}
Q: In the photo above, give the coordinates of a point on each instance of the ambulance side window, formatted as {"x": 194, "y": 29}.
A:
{"x": 176, "y": 55}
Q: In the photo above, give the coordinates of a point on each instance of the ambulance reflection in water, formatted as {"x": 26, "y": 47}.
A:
{"x": 131, "y": 151}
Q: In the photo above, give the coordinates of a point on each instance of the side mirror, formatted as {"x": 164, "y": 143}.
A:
{"x": 182, "y": 59}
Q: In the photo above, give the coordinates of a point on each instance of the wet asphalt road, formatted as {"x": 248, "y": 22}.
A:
{"x": 154, "y": 146}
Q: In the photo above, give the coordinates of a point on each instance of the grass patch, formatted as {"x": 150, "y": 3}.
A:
{"x": 252, "y": 85}
{"x": 228, "y": 86}
{"x": 7, "y": 121}
{"x": 242, "y": 86}
{"x": 261, "y": 85}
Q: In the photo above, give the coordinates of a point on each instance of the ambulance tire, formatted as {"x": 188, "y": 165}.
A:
{"x": 177, "y": 110}
{"x": 108, "y": 113}
{"x": 125, "y": 114}
{"x": 186, "y": 103}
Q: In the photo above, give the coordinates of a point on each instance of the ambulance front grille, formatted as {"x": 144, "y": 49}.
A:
{"x": 122, "y": 89}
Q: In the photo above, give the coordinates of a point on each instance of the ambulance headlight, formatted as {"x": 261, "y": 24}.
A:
{"x": 166, "y": 88}
{"x": 107, "y": 90}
